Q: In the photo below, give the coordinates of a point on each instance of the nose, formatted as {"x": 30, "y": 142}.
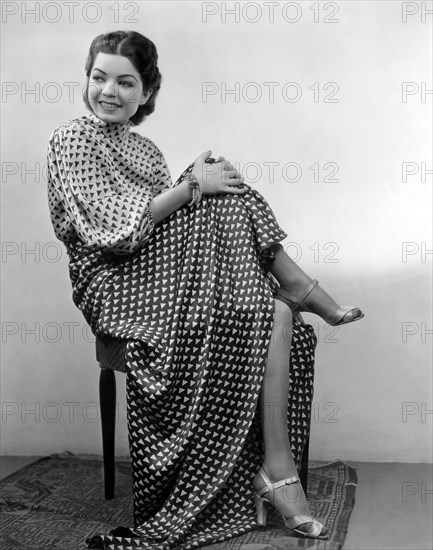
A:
{"x": 109, "y": 89}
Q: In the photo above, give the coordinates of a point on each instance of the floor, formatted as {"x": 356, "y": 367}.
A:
{"x": 393, "y": 508}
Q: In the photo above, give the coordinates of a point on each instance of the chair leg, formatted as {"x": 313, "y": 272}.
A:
{"x": 303, "y": 475}
{"x": 107, "y": 400}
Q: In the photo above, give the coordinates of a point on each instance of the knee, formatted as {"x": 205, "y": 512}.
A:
{"x": 282, "y": 311}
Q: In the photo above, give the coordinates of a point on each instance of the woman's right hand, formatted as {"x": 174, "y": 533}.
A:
{"x": 218, "y": 177}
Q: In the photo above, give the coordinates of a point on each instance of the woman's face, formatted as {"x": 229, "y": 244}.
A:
{"x": 115, "y": 88}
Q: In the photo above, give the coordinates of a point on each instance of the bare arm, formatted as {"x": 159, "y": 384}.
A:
{"x": 166, "y": 203}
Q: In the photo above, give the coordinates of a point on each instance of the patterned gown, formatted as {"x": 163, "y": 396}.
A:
{"x": 194, "y": 300}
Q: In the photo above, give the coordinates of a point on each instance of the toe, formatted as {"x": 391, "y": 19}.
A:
{"x": 351, "y": 315}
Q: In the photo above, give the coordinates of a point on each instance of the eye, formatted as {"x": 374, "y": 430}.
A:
{"x": 126, "y": 83}
{"x": 97, "y": 78}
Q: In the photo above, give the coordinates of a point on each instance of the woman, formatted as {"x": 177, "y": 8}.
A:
{"x": 193, "y": 277}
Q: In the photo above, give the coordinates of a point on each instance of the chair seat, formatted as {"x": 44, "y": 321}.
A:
{"x": 110, "y": 353}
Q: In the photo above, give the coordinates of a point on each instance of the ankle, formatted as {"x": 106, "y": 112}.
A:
{"x": 288, "y": 273}
{"x": 289, "y": 499}
{"x": 278, "y": 471}
{"x": 295, "y": 285}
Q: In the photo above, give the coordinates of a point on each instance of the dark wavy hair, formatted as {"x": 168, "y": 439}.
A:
{"x": 143, "y": 55}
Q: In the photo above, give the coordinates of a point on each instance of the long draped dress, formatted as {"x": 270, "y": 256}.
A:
{"x": 194, "y": 301}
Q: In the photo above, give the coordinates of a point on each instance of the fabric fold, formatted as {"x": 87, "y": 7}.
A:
{"x": 195, "y": 307}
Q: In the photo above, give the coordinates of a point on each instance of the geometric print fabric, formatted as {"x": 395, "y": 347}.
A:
{"x": 195, "y": 307}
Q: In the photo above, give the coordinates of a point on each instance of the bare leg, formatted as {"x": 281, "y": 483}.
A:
{"x": 278, "y": 458}
{"x": 287, "y": 271}
{"x": 278, "y": 461}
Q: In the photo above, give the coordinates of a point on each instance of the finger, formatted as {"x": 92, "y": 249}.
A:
{"x": 235, "y": 181}
{"x": 231, "y": 174}
{"x": 236, "y": 191}
{"x": 204, "y": 156}
{"x": 227, "y": 165}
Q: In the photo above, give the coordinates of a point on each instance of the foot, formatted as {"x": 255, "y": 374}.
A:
{"x": 289, "y": 500}
{"x": 348, "y": 315}
{"x": 313, "y": 299}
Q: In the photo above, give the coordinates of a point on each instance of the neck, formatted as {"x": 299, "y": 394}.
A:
{"x": 113, "y": 130}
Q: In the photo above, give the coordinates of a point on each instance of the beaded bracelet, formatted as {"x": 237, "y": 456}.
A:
{"x": 150, "y": 219}
{"x": 196, "y": 190}
{"x": 147, "y": 224}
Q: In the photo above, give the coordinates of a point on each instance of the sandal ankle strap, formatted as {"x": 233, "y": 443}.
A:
{"x": 297, "y": 299}
{"x": 287, "y": 481}
{"x": 308, "y": 289}
{"x": 271, "y": 486}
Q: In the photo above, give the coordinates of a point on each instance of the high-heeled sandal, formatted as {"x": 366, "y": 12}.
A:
{"x": 297, "y": 303}
{"x": 293, "y": 522}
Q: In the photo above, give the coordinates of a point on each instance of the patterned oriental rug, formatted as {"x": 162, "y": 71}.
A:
{"x": 58, "y": 501}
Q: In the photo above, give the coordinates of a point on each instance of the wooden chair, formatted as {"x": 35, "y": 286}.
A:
{"x": 110, "y": 353}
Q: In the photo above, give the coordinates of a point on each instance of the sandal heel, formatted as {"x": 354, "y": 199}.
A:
{"x": 314, "y": 529}
{"x": 261, "y": 509}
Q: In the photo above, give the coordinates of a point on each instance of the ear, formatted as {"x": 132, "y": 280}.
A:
{"x": 145, "y": 96}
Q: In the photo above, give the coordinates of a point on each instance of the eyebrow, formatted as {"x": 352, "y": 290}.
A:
{"x": 120, "y": 75}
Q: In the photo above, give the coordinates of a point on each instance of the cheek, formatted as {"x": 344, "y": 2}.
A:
{"x": 93, "y": 90}
{"x": 131, "y": 96}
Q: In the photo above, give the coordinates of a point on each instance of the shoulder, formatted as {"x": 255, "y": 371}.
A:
{"x": 74, "y": 138}
{"x": 73, "y": 126}
{"x": 148, "y": 146}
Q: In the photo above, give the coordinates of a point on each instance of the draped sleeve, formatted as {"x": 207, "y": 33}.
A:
{"x": 99, "y": 195}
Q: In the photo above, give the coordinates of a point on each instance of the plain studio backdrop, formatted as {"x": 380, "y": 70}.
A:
{"x": 326, "y": 109}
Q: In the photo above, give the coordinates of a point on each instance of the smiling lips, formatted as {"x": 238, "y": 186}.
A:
{"x": 108, "y": 106}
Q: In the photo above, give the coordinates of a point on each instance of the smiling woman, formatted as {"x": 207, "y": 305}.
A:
{"x": 123, "y": 79}
{"x": 192, "y": 276}
{"x": 115, "y": 89}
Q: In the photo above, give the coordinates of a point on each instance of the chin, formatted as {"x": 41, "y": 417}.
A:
{"x": 117, "y": 115}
